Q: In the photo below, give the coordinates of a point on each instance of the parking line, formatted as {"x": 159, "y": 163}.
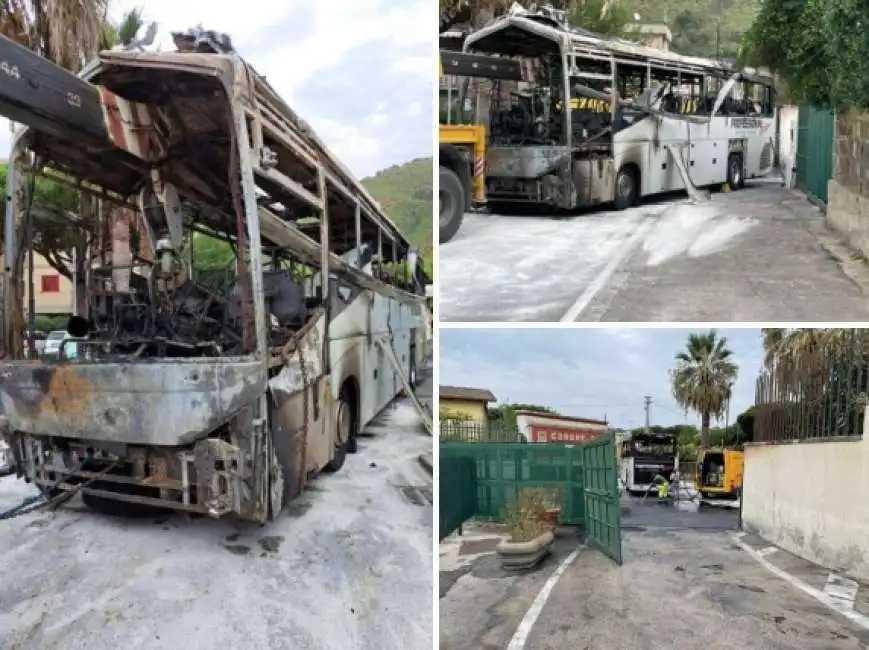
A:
{"x": 520, "y": 637}
{"x": 836, "y": 604}
{"x": 607, "y": 272}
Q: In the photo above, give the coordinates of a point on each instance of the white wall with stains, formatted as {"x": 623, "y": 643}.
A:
{"x": 810, "y": 499}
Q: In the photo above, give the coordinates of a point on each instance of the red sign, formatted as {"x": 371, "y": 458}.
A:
{"x": 562, "y": 434}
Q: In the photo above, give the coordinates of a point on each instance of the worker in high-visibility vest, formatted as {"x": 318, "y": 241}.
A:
{"x": 662, "y": 480}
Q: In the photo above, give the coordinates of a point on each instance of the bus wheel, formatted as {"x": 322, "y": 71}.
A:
{"x": 343, "y": 434}
{"x": 452, "y": 200}
{"x": 626, "y": 188}
{"x": 735, "y": 175}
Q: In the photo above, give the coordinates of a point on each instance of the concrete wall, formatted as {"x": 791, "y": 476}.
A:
{"x": 848, "y": 190}
{"x": 810, "y": 499}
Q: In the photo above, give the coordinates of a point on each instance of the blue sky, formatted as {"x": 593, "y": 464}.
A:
{"x": 588, "y": 372}
{"x": 360, "y": 71}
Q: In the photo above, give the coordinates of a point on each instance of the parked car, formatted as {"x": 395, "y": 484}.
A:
{"x": 52, "y": 343}
{"x": 38, "y": 342}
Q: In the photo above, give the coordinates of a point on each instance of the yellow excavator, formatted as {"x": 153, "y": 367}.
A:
{"x": 462, "y": 146}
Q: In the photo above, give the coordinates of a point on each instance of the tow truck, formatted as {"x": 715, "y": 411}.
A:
{"x": 462, "y": 141}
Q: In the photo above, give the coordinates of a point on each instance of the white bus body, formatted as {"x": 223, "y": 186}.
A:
{"x": 597, "y": 123}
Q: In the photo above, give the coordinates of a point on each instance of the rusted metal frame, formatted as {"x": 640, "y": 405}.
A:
{"x": 294, "y": 187}
{"x": 248, "y": 185}
{"x": 260, "y": 124}
{"x": 168, "y": 484}
{"x": 84, "y": 186}
{"x": 255, "y": 270}
{"x": 271, "y": 121}
{"x": 119, "y": 496}
{"x": 358, "y": 223}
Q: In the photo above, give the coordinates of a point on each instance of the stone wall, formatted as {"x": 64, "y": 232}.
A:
{"x": 848, "y": 190}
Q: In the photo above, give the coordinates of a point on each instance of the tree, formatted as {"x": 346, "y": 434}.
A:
{"x": 67, "y": 32}
{"x": 702, "y": 378}
{"x": 818, "y": 47}
{"x": 506, "y": 413}
{"x": 604, "y": 17}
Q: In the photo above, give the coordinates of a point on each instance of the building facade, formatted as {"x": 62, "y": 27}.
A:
{"x": 538, "y": 427}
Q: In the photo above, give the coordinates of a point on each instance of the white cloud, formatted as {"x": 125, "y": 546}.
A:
{"x": 420, "y": 65}
{"x": 339, "y": 27}
{"x": 293, "y": 43}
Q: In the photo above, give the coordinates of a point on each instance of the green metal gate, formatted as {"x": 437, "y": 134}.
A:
{"x": 603, "y": 525}
{"x": 502, "y": 470}
{"x": 457, "y": 493}
{"x": 815, "y": 133}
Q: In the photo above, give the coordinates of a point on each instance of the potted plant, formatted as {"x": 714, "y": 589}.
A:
{"x": 530, "y": 534}
{"x": 552, "y": 499}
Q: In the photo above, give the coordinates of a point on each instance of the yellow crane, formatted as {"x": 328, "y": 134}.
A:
{"x": 462, "y": 142}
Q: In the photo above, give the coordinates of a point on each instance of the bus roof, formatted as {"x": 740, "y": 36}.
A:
{"x": 185, "y": 86}
{"x": 523, "y": 35}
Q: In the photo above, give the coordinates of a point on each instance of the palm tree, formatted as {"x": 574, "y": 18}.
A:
{"x": 702, "y": 378}
{"x": 125, "y": 32}
{"x": 67, "y": 32}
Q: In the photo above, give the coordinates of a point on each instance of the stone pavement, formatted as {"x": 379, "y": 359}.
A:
{"x": 686, "y": 583}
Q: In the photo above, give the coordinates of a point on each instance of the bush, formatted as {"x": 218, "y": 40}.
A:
{"x": 818, "y": 47}
{"x": 526, "y": 517}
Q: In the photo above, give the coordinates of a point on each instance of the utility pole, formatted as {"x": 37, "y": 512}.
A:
{"x": 648, "y": 403}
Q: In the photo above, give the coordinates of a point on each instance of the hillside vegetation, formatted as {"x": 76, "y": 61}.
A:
{"x": 695, "y": 23}
{"x": 406, "y": 194}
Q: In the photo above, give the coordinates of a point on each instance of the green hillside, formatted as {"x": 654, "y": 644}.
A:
{"x": 695, "y": 23}
{"x": 405, "y": 193}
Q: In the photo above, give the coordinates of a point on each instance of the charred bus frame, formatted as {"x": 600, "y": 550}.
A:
{"x": 590, "y": 135}
{"x": 186, "y": 398}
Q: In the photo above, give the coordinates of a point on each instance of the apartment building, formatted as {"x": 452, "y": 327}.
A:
{"x": 53, "y": 293}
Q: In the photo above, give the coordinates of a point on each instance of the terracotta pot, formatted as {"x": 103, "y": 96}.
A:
{"x": 552, "y": 515}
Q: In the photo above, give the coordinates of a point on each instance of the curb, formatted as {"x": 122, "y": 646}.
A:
{"x": 426, "y": 462}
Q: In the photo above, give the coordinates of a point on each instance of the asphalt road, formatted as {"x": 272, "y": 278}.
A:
{"x": 684, "y": 584}
{"x": 759, "y": 254}
{"x": 349, "y": 566}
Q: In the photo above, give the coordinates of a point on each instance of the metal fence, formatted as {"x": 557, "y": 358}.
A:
{"x": 815, "y": 151}
{"x": 457, "y": 492}
{"x": 815, "y": 394}
{"x": 456, "y": 431}
{"x": 502, "y": 470}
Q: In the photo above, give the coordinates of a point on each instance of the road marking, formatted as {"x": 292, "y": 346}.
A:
{"x": 769, "y": 550}
{"x": 841, "y": 588}
{"x": 604, "y": 276}
{"x": 520, "y": 638}
{"x": 836, "y": 604}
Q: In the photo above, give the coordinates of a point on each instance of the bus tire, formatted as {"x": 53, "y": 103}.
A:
{"x": 452, "y": 199}
{"x": 735, "y": 171}
{"x": 343, "y": 433}
{"x": 626, "y": 189}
